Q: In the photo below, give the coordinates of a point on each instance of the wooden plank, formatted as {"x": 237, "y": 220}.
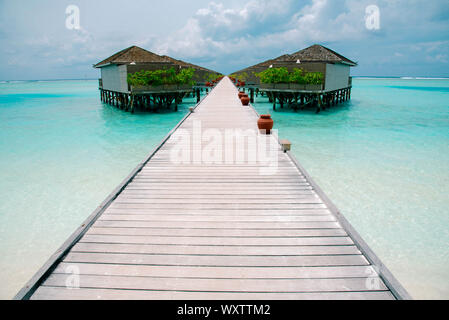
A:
{"x": 220, "y": 272}
{"x": 217, "y": 285}
{"x": 219, "y": 241}
{"x": 218, "y": 218}
{"x": 53, "y": 293}
{"x": 217, "y": 225}
{"x": 182, "y": 232}
{"x": 219, "y": 206}
{"x": 303, "y": 200}
{"x": 215, "y": 250}
{"x": 223, "y": 212}
{"x": 210, "y": 194}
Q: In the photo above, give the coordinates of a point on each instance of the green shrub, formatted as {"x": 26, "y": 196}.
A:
{"x": 281, "y": 75}
{"x": 160, "y": 77}
{"x": 314, "y": 78}
{"x": 274, "y": 75}
{"x": 212, "y": 76}
{"x": 240, "y": 76}
{"x": 297, "y": 76}
{"x": 185, "y": 76}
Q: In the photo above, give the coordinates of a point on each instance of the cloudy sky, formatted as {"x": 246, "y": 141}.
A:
{"x": 35, "y": 43}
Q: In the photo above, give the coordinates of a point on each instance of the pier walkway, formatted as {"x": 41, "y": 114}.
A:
{"x": 207, "y": 230}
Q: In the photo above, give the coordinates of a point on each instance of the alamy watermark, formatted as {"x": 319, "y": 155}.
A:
{"x": 72, "y": 21}
{"x": 225, "y": 147}
{"x": 372, "y": 17}
{"x": 73, "y": 279}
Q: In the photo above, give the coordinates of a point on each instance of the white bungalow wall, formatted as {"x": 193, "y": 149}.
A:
{"x": 337, "y": 76}
{"x": 114, "y": 78}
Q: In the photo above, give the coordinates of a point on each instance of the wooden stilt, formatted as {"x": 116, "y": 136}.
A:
{"x": 319, "y": 104}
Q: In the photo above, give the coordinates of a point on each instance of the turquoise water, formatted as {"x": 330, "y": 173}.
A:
{"x": 383, "y": 159}
{"x": 62, "y": 153}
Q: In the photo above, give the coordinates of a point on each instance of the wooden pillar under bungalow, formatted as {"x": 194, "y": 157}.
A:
{"x": 198, "y": 95}
{"x": 251, "y": 96}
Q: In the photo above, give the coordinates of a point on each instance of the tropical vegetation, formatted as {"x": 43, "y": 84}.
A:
{"x": 297, "y": 75}
{"x": 161, "y": 77}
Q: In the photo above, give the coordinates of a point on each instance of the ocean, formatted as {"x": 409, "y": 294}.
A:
{"x": 383, "y": 159}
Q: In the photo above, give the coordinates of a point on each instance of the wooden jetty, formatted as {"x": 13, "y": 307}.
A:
{"x": 215, "y": 231}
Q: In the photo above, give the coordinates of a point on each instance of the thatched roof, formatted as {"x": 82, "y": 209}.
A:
{"x": 139, "y": 55}
{"x": 264, "y": 64}
{"x": 132, "y": 54}
{"x": 316, "y": 53}
{"x": 187, "y": 64}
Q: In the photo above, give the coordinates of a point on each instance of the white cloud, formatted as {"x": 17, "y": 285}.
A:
{"x": 228, "y": 37}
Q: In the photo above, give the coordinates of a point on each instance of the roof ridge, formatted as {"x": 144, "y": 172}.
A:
{"x": 119, "y": 54}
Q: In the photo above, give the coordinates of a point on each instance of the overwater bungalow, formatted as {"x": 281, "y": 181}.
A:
{"x": 115, "y": 88}
{"x": 334, "y": 84}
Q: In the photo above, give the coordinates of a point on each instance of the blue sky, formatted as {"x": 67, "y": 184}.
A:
{"x": 413, "y": 38}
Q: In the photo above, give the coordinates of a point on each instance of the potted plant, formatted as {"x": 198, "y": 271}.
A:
{"x": 245, "y": 100}
{"x": 265, "y": 123}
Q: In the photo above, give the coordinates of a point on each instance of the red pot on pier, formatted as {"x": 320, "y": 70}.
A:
{"x": 245, "y": 100}
{"x": 241, "y": 94}
{"x": 265, "y": 123}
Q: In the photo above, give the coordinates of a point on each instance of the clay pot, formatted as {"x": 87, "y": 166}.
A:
{"x": 245, "y": 100}
{"x": 241, "y": 94}
{"x": 265, "y": 123}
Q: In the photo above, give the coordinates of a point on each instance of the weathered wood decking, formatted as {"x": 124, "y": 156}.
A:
{"x": 215, "y": 231}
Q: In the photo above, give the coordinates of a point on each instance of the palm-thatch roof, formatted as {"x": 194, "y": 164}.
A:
{"x": 131, "y": 54}
{"x": 187, "y": 64}
{"x": 316, "y": 53}
{"x": 139, "y": 55}
{"x": 264, "y": 64}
